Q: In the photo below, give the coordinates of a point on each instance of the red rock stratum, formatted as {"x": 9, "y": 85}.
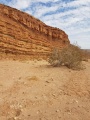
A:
{"x": 22, "y": 34}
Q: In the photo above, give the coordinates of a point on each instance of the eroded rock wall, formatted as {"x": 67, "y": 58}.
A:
{"x": 23, "y": 34}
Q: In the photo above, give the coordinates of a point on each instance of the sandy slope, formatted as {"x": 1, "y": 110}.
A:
{"x": 33, "y": 90}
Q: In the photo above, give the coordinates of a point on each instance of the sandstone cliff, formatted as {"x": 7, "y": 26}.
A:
{"x": 22, "y": 34}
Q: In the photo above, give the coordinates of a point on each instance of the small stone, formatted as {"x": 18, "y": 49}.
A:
{"x": 37, "y": 112}
{"x": 15, "y": 118}
{"x": 19, "y": 78}
{"x": 47, "y": 81}
{"x": 76, "y": 101}
{"x": 53, "y": 95}
{"x": 36, "y": 97}
{"x": 57, "y": 110}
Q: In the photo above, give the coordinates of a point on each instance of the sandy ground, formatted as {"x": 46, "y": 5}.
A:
{"x": 33, "y": 90}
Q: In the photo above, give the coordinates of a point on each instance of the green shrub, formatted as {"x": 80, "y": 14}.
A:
{"x": 70, "y": 56}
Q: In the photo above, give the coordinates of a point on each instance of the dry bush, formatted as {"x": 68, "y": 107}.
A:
{"x": 54, "y": 58}
{"x": 70, "y": 56}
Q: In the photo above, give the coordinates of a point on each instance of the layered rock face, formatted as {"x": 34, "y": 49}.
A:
{"x": 22, "y": 34}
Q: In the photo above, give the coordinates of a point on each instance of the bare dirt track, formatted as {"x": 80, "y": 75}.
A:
{"x": 33, "y": 90}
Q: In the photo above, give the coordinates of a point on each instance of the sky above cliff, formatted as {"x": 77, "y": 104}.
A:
{"x": 72, "y": 16}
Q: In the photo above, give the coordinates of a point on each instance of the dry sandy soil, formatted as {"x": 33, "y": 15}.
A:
{"x": 33, "y": 90}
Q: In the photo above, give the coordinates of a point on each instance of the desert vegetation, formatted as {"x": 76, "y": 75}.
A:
{"x": 70, "y": 56}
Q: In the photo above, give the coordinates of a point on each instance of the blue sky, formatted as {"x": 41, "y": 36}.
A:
{"x": 72, "y": 16}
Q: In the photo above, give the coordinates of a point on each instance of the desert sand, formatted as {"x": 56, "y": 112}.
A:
{"x": 34, "y": 90}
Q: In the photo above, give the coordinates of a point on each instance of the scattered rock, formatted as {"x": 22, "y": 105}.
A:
{"x": 53, "y": 95}
{"x": 57, "y": 110}
{"x": 47, "y": 81}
